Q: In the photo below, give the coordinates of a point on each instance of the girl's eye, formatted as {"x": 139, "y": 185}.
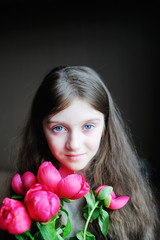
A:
{"x": 58, "y": 129}
{"x": 88, "y": 127}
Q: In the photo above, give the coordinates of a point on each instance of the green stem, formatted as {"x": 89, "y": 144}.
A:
{"x": 29, "y": 235}
{"x": 88, "y": 219}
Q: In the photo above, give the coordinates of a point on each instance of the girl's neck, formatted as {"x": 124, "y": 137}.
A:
{"x": 82, "y": 171}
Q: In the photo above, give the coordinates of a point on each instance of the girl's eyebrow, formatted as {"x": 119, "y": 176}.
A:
{"x": 62, "y": 122}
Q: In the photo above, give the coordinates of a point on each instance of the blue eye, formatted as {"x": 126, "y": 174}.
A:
{"x": 88, "y": 127}
{"x": 58, "y": 129}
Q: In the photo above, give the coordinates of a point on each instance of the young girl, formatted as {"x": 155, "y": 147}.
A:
{"x": 74, "y": 122}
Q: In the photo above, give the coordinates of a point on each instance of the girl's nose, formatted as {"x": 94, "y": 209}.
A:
{"x": 73, "y": 141}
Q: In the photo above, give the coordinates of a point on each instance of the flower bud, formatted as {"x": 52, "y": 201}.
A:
{"x": 21, "y": 184}
{"x": 16, "y": 184}
{"x": 110, "y": 201}
{"x": 14, "y": 217}
{"x": 28, "y": 180}
{"x": 41, "y": 204}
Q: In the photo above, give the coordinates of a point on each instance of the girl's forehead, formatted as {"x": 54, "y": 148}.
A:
{"x": 79, "y": 110}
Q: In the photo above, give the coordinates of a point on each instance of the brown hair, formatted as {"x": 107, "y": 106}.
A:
{"x": 116, "y": 162}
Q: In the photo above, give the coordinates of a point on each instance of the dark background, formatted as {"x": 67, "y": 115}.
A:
{"x": 120, "y": 41}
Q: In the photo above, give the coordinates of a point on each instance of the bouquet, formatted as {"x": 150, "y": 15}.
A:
{"x": 35, "y": 211}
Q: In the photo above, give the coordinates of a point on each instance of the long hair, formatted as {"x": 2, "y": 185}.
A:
{"x": 116, "y": 162}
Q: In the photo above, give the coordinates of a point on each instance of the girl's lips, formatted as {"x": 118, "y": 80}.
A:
{"x": 75, "y": 157}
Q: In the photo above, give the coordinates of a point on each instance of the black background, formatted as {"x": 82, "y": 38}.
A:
{"x": 119, "y": 40}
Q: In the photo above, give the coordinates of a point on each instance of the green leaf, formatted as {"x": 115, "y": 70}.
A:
{"x": 103, "y": 221}
{"x": 89, "y": 236}
{"x": 95, "y": 214}
{"x": 85, "y": 212}
{"x": 38, "y": 236}
{"x": 20, "y": 237}
{"x": 104, "y": 193}
{"x": 48, "y": 231}
{"x": 107, "y": 201}
{"x": 67, "y": 200}
{"x": 80, "y": 235}
{"x": 58, "y": 218}
{"x": 62, "y": 202}
{"x": 59, "y": 237}
{"x": 67, "y": 229}
{"x": 17, "y": 197}
{"x": 24, "y": 236}
{"x": 90, "y": 198}
{"x": 29, "y": 235}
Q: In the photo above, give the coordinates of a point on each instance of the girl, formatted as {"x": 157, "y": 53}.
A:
{"x": 74, "y": 122}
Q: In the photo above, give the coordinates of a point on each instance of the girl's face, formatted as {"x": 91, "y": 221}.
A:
{"x": 73, "y": 134}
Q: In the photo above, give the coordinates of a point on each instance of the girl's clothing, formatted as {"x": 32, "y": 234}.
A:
{"x": 75, "y": 215}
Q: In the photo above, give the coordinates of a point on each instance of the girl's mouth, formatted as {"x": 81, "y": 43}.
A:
{"x": 75, "y": 157}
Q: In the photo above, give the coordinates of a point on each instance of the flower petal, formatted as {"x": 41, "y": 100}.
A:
{"x": 64, "y": 172}
{"x": 47, "y": 174}
{"x": 14, "y": 217}
{"x": 69, "y": 186}
{"x": 42, "y": 204}
{"x": 84, "y": 190}
{"x": 99, "y": 189}
{"x": 119, "y": 202}
{"x": 16, "y": 184}
{"x": 28, "y": 180}
{"x": 113, "y": 195}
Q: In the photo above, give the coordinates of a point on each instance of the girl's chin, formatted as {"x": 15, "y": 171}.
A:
{"x": 76, "y": 169}
{"x": 79, "y": 170}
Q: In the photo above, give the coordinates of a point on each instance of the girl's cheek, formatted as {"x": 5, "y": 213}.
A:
{"x": 93, "y": 143}
{"x": 57, "y": 142}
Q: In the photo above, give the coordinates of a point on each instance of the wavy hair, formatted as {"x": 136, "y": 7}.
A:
{"x": 116, "y": 162}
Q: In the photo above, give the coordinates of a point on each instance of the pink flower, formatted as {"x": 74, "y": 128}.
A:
{"x": 111, "y": 201}
{"x": 21, "y": 184}
{"x": 28, "y": 180}
{"x": 64, "y": 172}
{"x": 41, "y": 204}
{"x": 72, "y": 186}
{"x": 14, "y": 217}
{"x": 48, "y": 175}
{"x": 64, "y": 182}
{"x": 16, "y": 184}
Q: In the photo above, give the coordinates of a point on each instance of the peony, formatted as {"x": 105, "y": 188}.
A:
{"x": 64, "y": 182}
{"x": 14, "y": 217}
{"x": 48, "y": 175}
{"x": 21, "y": 184}
{"x": 72, "y": 187}
{"x": 41, "y": 204}
{"x": 111, "y": 201}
